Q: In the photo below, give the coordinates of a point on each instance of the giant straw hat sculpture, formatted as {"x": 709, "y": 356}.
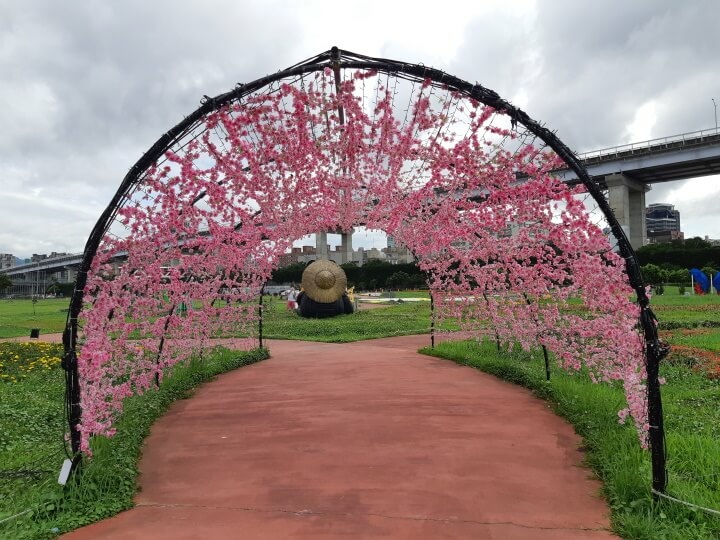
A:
{"x": 324, "y": 281}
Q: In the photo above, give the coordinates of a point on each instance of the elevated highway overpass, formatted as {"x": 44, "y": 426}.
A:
{"x": 35, "y": 278}
{"x": 626, "y": 171}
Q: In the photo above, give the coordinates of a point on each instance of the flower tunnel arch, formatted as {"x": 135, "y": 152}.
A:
{"x": 457, "y": 174}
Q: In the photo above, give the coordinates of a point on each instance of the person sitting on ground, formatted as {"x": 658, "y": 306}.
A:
{"x": 323, "y": 295}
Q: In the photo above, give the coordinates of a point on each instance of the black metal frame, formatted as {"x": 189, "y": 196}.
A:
{"x": 337, "y": 59}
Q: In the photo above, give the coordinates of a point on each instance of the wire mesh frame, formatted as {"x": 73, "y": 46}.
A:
{"x": 337, "y": 59}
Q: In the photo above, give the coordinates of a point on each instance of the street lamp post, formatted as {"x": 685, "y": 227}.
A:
{"x": 715, "y": 105}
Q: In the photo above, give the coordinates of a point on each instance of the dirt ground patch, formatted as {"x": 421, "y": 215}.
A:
{"x": 703, "y": 360}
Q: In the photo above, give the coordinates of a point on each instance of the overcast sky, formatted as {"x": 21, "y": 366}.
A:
{"x": 87, "y": 87}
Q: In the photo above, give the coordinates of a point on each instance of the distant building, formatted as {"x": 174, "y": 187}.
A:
{"x": 397, "y": 254}
{"x": 394, "y": 254}
{"x": 338, "y": 255}
{"x": 286, "y": 259}
{"x": 712, "y": 241}
{"x": 664, "y": 237}
{"x": 662, "y": 223}
{"x": 41, "y": 257}
{"x": 7, "y": 260}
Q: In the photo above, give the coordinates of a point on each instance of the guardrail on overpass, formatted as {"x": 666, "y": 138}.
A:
{"x": 683, "y": 140}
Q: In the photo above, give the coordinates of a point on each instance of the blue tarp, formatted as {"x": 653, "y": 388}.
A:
{"x": 716, "y": 282}
{"x": 700, "y": 279}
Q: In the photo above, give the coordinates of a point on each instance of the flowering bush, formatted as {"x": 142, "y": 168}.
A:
{"x": 507, "y": 246}
{"x": 18, "y": 360}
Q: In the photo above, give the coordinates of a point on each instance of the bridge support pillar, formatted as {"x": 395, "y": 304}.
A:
{"x": 627, "y": 199}
{"x": 346, "y": 246}
{"x": 345, "y": 250}
{"x": 321, "y": 246}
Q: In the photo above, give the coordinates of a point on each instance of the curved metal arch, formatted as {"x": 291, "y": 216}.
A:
{"x": 336, "y": 59}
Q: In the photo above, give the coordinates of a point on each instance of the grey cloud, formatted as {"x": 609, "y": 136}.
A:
{"x": 88, "y": 87}
{"x": 598, "y": 62}
{"x": 587, "y": 67}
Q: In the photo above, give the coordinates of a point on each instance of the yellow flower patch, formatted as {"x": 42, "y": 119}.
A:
{"x": 18, "y": 360}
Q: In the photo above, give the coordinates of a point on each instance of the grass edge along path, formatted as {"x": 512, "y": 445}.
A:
{"x": 612, "y": 450}
{"x": 108, "y": 482}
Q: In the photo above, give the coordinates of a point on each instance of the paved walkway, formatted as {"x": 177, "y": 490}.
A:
{"x": 360, "y": 440}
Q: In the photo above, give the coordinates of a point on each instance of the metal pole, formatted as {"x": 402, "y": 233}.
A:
{"x": 432, "y": 320}
{"x": 497, "y": 336}
{"x": 162, "y": 344}
{"x": 72, "y": 396}
{"x": 654, "y": 352}
{"x": 544, "y": 349}
{"x": 260, "y": 320}
{"x": 715, "y": 105}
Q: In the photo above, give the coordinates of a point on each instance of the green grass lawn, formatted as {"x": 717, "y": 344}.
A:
{"x": 675, "y": 310}
{"x": 394, "y": 320}
{"x": 16, "y": 320}
{"x": 31, "y": 417}
{"x": 671, "y": 296}
{"x": 703, "y": 338}
{"x": 692, "y": 412}
{"x": 32, "y": 448}
{"x": 17, "y": 317}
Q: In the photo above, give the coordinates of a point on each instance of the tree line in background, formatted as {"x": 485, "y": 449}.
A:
{"x": 671, "y": 262}
{"x": 375, "y": 274}
{"x": 661, "y": 264}
{"x": 691, "y": 253}
{"x": 4, "y": 282}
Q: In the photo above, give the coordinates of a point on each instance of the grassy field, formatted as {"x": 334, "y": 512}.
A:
{"x": 692, "y": 411}
{"x": 17, "y": 317}
{"x": 32, "y": 423}
{"x": 32, "y": 447}
{"x": 395, "y": 320}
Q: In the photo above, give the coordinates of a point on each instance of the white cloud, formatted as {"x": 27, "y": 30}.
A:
{"x": 88, "y": 88}
{"x": 642, "y": 125}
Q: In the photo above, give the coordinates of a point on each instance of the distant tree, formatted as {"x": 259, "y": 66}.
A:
{"x": 697, "y": 243}
{"x": 418, "y": 281}
{"x": 678, "y": 275}
{"x": 377, "y": 262}
{"x": 54, "y": 287}
{"x": 653, "y": 274}
{"x": 352, "y": 272}
{"x": 289, "y": 274}
{"x": 693, "y": 253}
{"x": 398, "y": 280}
{"x": 4, "y": 282}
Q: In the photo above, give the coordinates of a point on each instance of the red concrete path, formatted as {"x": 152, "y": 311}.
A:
{"x": 361, "y": 440}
